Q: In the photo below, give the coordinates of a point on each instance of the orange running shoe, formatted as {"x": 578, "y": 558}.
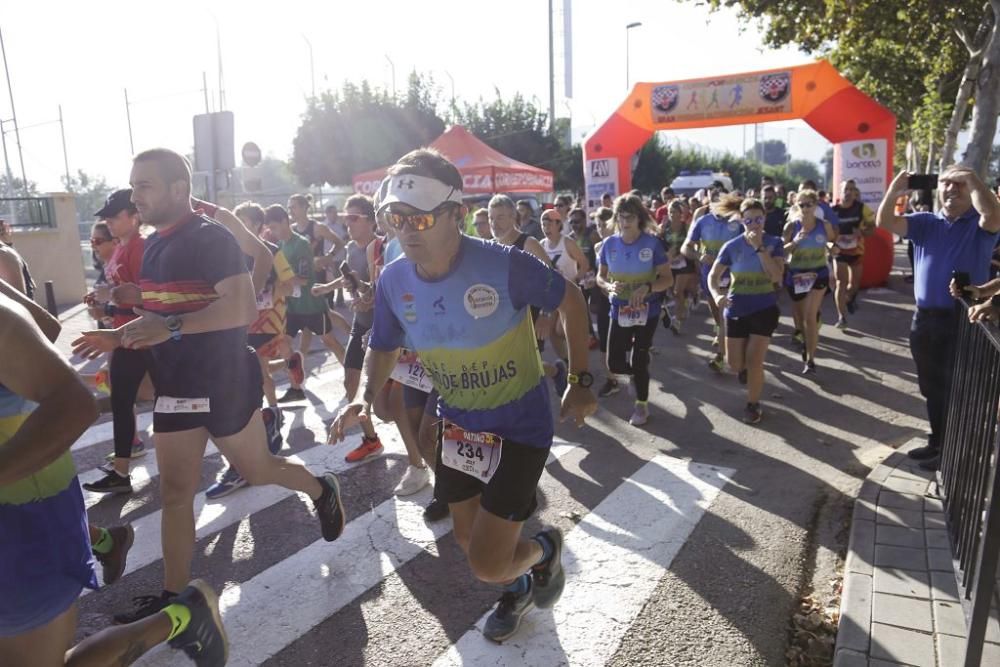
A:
{"x": 369, "y": 448}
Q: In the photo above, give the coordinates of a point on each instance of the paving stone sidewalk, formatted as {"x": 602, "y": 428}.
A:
{"x": 900, "y": 602}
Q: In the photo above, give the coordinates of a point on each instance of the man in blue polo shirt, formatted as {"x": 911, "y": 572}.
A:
{"x": 958, "y": 238}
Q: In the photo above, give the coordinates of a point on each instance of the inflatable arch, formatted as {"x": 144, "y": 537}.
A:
{"x": 862, "y": 131}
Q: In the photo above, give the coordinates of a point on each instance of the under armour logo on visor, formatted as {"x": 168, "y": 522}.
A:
{"x": 405, "y": 183}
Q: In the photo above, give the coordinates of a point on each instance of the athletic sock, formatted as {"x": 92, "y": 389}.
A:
{"x": 105, "y": 543}
{"x": 180, "y": 616}
{"x": 641, "y": 404}
{"x": 547, "y": 547}
{"x": 519, "y": 586}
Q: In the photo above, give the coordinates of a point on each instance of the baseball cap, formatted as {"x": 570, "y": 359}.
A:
{"x": 117, "y": 201}
{"x": 421, "y": 192}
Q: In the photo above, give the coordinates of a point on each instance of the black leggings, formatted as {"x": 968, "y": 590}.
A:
{"x": 638, "y": 340}
{"x": 602, "y": 314}
{"x": 128, "y": 368}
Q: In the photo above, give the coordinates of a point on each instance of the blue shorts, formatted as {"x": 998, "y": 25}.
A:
{"x": 45, "y": 560}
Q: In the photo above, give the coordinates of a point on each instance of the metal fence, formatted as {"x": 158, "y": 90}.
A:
{"x": 28, "y": 211}
{"x": 969, "y": 480}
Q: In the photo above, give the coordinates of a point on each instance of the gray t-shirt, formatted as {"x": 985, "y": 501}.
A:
{"x": 357, "y": 259}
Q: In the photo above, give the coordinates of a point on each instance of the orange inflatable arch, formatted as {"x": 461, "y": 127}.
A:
{"x": 861, "y": 129}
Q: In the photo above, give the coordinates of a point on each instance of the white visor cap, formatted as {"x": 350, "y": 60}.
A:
{"x": 421, "y": 192}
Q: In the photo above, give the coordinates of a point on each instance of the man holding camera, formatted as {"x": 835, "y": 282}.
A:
{"x": 956, "y": 241}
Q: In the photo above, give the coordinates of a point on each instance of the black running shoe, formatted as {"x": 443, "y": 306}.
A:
{"x": 204, "y": 639}
{"x": 292, "y": 396}
{"x": 113, "y": 562}
{"x": 272, "y": 426}
{"x": 329, "y": 508}
{"x": 503, "y": 623}
{"x": 112, "y": 482}
{"x": 548, "y": 578}
{"x": 436, "y": 511}
{"x": 145, "y": 606}
{"x": 752, "y": 414}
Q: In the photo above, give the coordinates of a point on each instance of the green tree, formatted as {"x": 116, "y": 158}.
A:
{"x": 90, "y": 193}
{"x": 653, "y": 166}
{"x": 804, "y": 170}
{"x": 827, "y": 163}
{"x": 361, "y": 127}
{"x": 773, "y": 152}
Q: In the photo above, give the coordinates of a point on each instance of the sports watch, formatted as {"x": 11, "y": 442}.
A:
{"x": 174, "y": 323}
{"x": 584, "y": 379}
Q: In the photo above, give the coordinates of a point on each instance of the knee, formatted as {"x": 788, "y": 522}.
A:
{"x": 174, "y": 492}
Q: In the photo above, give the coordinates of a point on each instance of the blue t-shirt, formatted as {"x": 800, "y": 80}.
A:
{"x": 809, "y": 255}
{"x": 752, "y": 289}
{"x": 633, "y": 264}
{"x": 473, "y": 332}
{"x": 711, "y": 233}
{"x": 941, "y": 247}
{"x": 393, "y": 249}
{"x": 829, "y": 214}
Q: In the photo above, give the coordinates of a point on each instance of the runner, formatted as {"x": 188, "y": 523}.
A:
{"x": 498, "y": 423}
{"x": 198, "y": 300}
{"x": 600, "y": 304}
{"x": 334, "y": 252}
{"x": 359, "y": 213}
{"x": 683, "y": 269}
{"x": 587, "y": 237}
{"x": 751, "y": 304}
{"x": 481, "y": 221}
{"x": 46, "y": 546}
{"x": 705, "y": 238}
{"x": 807, "y": 240}
{"x": 633, "y": 269}
{"x": 127, "y": 368}
{"x": 306, "y": 312}
{"x": 856, "y": 222}
{"x": 567, "y": 258}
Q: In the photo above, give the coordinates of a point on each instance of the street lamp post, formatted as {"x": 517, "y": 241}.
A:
{"x": 634, "y": 24}
{"x": 312, "y": 69}
{"x": 392, "y": 69}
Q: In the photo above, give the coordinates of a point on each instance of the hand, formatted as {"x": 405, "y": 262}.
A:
{"x": 755, "y": 238}
{"x": 147, "y": 330}
{"x": 900, "y": 184}
{"x": 638, "y": 296}
{"x": 615, "y": 288}
{"x": 722, "y": 301}
{"x": 984, "y": 311}
{"x": 127, "y": 294}
{"x": 578, "y": 403}
{"x": 706, "y": 259}
{"x": 6, "y": 233}
{"x": 972, "y": 291}
{"x": 544, "y": 326}
{"x": 349, "y": 415}
{"x": 364, "y": 303}
{"x": 96, "y": 312}
{"x": 319, "y": 290}
{"x": 92, "y": 344}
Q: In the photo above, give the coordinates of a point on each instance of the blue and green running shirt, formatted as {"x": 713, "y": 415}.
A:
{"x": 809, "y": 255}
{"x": 752, "y": 289}
{"x": 44, "y": 541}
{"x": 711, "y": 232}
{"x": 472, "y": 329}
{"x": 633, "y": 264}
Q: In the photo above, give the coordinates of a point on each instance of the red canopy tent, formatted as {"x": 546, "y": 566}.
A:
{"x": 484, "y": 170}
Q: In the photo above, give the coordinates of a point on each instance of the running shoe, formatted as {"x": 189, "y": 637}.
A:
{"x": 273, "y": 421}
{"x": 715, "y": 363}
{"x": 752, "y": 414}
{"x": 368, "y": 449}
{"x": 138, "y": 451}
{"x": 560, "y": 379}
{"x": 414, "y": 479}
{"x": 548, "y": 577}
{"x": 610, "y": 388}
{"x": 842, "y": 323}
{"x": 506, "y": 618}
{"x": 666, "y": 318}
{"x": 112, "y": 482}
{"x": 798, "y": 338}
{"x": 675, "y": 326}
{"x": 330, "y": 508}
{"x": 293, "y": 395}
{"x": 204, "y": 639}
{"x": 297, "y": 368}
{"x": 852, "y": 304}
{"x": 742, "y": 375}
{"x": 809, "y": 368}
{"x": 144, "y": 606}
{"x": 113, "y": 562}
{"x": 437, "y": 510}
{"x": 640, "y": 415}
{"x": 230, "y": 481}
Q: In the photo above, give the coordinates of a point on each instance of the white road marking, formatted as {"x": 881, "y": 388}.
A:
{"x": 614, "y": 559}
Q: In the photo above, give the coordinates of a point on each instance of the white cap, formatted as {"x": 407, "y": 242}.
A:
{"x": 421, "y": 192}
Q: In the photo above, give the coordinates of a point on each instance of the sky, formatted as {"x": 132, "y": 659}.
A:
{"x": 83, "y": 56}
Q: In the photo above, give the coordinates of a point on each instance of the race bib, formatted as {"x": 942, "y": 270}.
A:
{"x": 475, "y": 454}
{"x": 589, "y": 280}
{"x": 633, "y": 317}
{"x": 678, "y": 262}
{"x": 297, "y": 292}
{"x": 410, "y": 372}
{"x": 170, "y": 405}
{"x": 803, "y": 282}
{"x": 847, "y": 242}
{"x": 265, "y": 300}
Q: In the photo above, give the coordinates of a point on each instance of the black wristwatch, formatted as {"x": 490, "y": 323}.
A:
{"x": 174, "y": 324}
{"x": 584, "y": 379}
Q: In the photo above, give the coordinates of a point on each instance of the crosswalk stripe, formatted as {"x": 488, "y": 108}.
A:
{"x": 614, "y": 559}
{"x": 302, "y": 590}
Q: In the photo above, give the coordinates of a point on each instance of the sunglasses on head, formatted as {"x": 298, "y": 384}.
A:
{"x": 418, "y": 222}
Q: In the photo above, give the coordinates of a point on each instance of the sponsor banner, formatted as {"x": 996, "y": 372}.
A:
{"x": 866, "y": 162}
{"x": 483, "y": 183}
{"x": 601, "y": 178}
{"x": 367, "y": 187}
{"x": 740, "y": 95}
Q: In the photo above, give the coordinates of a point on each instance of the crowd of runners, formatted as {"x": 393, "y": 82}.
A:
{"x": 451, "y": 313}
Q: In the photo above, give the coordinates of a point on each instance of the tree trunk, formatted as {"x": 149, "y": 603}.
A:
{"x": 966, "y": 89}
{"x": 984, "y": 114}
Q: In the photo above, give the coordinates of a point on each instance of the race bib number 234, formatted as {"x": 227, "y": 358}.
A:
{"x": 475, "y": 454}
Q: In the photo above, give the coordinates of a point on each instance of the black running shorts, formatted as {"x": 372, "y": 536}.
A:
{"x": 510, "y": 494}
{"x": 760, "y": 323}
{"x": 318, "y": 323}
